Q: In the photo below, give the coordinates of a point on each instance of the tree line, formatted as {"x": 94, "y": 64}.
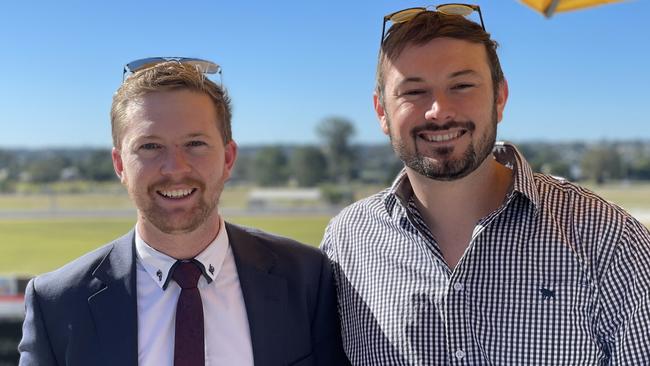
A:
{"x": 334, "y": 160}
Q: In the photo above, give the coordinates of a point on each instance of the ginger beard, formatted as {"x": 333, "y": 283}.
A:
{"x": 442, "y": 166}
{"x": 177, "y": 220}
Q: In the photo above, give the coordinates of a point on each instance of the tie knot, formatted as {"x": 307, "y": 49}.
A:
{"x": 186, "y": 274}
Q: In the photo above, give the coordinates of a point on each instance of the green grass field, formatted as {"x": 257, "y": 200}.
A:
{"x": 32, "y": 246}
{"x": 632, "y": 196}
{"x": 36, "y": 246}
{"x": 233, "y": 197}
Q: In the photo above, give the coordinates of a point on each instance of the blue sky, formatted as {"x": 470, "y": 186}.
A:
{"x": 289, "y": 64}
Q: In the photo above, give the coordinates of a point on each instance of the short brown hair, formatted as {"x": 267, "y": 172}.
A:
{"x": 427, "y": 26}
{"x": 168, "y": 76}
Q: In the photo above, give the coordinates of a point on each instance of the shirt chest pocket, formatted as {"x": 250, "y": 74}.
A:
{"x": 536, "y": 323}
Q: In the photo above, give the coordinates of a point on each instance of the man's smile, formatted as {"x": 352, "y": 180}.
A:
{"x": 441, "y": 136}
{"x": 176, "y": 193}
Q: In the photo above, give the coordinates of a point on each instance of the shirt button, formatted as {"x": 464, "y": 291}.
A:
{"x": 459, "y": 286}
{"x": 460, "y": 354}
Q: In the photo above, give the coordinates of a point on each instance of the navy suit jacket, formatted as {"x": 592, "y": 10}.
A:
{"x": 86, "y": 314}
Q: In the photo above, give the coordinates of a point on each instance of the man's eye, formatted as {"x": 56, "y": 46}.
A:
{"x": 462, "y": 86}
{"x": 196, "y": 143}
{"x": 413, "y": 92}
{"x": 149, "y": 146}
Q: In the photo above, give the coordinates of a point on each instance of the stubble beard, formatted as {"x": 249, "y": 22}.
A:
{"x": 443, "y": 167}
{"x": 168, "y": 221}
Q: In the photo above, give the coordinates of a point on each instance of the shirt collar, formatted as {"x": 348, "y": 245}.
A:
{"x": 158, "y": 265}
{"x": 504, "y": 152}
{"x": 524, "y": 181}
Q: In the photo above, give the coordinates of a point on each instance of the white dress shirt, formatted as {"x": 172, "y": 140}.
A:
{"x": 227, "y": 335}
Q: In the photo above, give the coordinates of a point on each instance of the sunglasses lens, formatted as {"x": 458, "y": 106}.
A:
{"x": 206, "y": 67}
{"x": 405, "y": 15}
{"x": 144, "y": 63}
{"x": 455, "y": 9}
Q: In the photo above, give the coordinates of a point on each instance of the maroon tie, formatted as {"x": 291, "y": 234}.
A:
{"x": 188, "y": 345}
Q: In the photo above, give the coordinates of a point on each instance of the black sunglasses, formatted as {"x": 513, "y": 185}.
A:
{"x": 205, "y": 66}
{"x": 405, "y": 15}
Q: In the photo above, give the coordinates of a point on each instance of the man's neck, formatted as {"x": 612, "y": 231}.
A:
{"x": 452, "y": 209}
{"x": 182, "y": 245}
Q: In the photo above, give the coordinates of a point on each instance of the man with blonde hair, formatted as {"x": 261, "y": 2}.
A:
{"x": 183, "y": 287}
{"x": 470, "y": 258}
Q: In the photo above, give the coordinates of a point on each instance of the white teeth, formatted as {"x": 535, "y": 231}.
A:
{"x": 178, "y": 193}
{"x": 441, "y": 138}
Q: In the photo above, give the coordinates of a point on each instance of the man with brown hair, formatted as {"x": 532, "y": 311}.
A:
{"x": 470, "y": 257}
{"x": 184, "y": 287}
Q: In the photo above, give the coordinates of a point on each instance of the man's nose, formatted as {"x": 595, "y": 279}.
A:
{"x": 441, "y": 109}
{"x": 175, "y": 162}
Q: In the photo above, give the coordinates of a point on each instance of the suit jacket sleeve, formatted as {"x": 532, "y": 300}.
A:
{"x": 35, "y": 348}
{"x": 328, "y": 346}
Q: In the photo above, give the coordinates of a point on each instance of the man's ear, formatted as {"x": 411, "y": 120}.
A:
{"x": 381, "y": 112}
{"x": 230, "y": 156}
{"x": 118, "y": 164}
{"x": 501, "y": 99}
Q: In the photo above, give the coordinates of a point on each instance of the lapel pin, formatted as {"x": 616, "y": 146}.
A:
{"x": 159, "y": 274}
{"x": 211, "y": 269}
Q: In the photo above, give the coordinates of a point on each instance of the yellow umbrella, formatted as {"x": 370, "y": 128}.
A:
{"x": 550, "y": 7}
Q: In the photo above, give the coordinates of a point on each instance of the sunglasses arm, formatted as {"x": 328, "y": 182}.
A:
{"x": 478, "y": 10}
{"x": 383, "y": 30}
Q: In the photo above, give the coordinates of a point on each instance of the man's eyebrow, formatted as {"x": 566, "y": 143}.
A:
{"x": 147, "y": 137}
{"x": 462, "y": 73}
{"x": 195, "y": 134}
{"x": 411, "y": 79}
{"x": 417, "y": 79}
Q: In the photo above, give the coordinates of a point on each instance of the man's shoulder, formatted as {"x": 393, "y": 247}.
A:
{"x": 557, "y": 190}
{"x": 351, "y": 229}
{"x": 366, "y": 208}
{"x": 280, "y": 246}
{"x": 580, "y": 205}
{"x": 77, "y": 272}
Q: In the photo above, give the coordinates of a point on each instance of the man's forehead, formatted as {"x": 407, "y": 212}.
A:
{"x": 446, "y": 57}
{"x": 172, "y": 116}
{"x": 161, "y": 104}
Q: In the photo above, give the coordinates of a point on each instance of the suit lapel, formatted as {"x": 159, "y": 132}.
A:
{"x": 265, "y": 296}
{"x": 113, "y": 307}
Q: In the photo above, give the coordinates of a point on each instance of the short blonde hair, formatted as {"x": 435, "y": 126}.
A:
{"x": 169, "y": 76}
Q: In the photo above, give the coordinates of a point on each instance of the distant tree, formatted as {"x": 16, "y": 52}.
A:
{"x": 243, "y": 170}
{"x": 548, "y": 159}
{"x": 336, "y": 133}
{"x": 8, "y": 171}
{"x": 7, "y": 160}
{"x": 47, "y": 170}
{"x": 394, "y": 167}
{"x": 270, "y": 166}
{"x": 98, "y": 166}
{"x": 558, "y": 168}
{"x": 640, "y": 168}
{"x": 308, "y": 166}
{"x": 602, "y": 163}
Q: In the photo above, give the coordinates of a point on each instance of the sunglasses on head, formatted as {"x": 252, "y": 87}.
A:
{"x": 205, "y": 66}
{"x": 405, "y": 15}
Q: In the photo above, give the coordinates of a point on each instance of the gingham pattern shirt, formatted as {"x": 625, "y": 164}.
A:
{"x": 555, "y": 276}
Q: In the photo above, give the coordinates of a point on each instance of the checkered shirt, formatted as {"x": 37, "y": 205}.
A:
{"x": 555, "y": 276}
